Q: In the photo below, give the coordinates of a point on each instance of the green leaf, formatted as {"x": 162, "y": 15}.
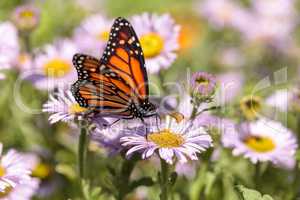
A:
{"x": 250, "y": 194}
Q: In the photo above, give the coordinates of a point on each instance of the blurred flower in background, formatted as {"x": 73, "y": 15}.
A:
{"x": 53, "y": 66}
{"x": 15, "y": 180}
{"x": 9, "y": 45}
{"x": 158, "y": 35}
{"x": 263, "y": 140}
{"x": 26, "y": 17}
{"x": 92, "y": 35}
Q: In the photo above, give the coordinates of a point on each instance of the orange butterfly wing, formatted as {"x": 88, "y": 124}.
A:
{"x": 111, "y": 85}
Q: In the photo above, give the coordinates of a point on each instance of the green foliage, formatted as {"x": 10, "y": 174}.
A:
{"x": 249, "y": 194}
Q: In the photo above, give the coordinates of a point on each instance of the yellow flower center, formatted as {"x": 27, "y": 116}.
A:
{"x": 250, "y": 106}
{"x": 57, "y": 67}
{"x": 27, "y": 14}
{"x": 152, "y": 44}
{"x": 42, "y": 171}
{"x": 76, "y": 108}
{"x": 7, "y": 189}
{"x": 103, "y": 36}
{"x": 2, "y": 171}
{"x": 260, "y": 144}
{"x": 166, "y": 139}
{"x": 202, "y": 81}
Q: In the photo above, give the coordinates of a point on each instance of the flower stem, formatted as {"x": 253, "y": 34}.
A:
{"x": 164, "y": 180}
{"x": 82, "y": 151}
{"x": 27, "y": 42}
{"x": 257, "y": 174}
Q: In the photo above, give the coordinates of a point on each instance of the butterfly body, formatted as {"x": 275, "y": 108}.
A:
{"x": 117, "y": 84}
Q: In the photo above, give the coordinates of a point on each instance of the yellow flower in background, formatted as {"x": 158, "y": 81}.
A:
{"x": 251, "y": 106}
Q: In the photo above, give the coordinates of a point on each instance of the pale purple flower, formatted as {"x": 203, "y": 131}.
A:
{"x": 24, "y": 191}
{"x": 187, "y": 170}
{"x": 158, "y": 35}
{"x": 62, "y": 106}
{"x": 15, "y": 180}
{"x": 9, "y": 45}
{"x": 109, "y": 136}
{"x": 280, "y": 99}
{"x": 53, "y": 66}
{"x": 271, "y": 22}
{"x": 263, "y": 140}
{"x": 203, "y": 83}
{"x": 26, "y": 17}
{"x": 230, "y": 86}
{"x": 92, "y": 35}
{"x": 231, "y": 58}
{"x": 170, "y": 140}
{"x": 222, "y": 13}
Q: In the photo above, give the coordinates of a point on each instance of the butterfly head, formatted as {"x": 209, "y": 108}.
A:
{"x": 147, "y": 109}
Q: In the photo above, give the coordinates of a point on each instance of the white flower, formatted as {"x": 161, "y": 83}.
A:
{"x": 263, "y": 140}
{"x": 15, "y": 180}
{"x": 53, "y": 66}
{"x": 62, "y": 106}
{"x": 158, "y": 36}
{"x": 92, "y": 35}
{"x": 9, "y": 45}
{"x": 172, "y": 139}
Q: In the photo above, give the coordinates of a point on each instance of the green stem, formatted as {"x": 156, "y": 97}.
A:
{"x": 257, "y": 174}
{"x": 27, "y": 42}
{"x": 296, "y": 181}
{"x": 164, "y": 180}
{"x": 82, "y": 143}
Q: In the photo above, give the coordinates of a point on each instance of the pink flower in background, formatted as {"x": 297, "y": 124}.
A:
{"x": 230, "y": 86}
{"x": 222, "y": 13}
{"x": 92, "y": 35}
{"x": 263, "y": 140}
{"x": 9, "y": 45}
{"x": 53, "y": 66}
{"x": 26, "y": 17}
{"x": 158, "y": 35}
{"x": 15, "y": 180}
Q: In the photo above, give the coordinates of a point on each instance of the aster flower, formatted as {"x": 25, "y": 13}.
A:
{"x": 187, "y": 170}
{"x": 158, "y": 36}
{"x": 230, "y": 85}
{"x": 280, "y": 99}
{"x": 24, "y": 191}
{"x": 26, "y": 17}
{"x": 109, "y": 137}
{"x": 251, "y": 106}
{"x": 263, "y": 140}
{"x": 170, "y": 140}
{"x": 222, "y": 13}
{"x": 15, "y": 180}
{"x": 63, "y": 107}
{"x": 203, "y": 83}
{"x": 9, "y": 45}
{"x": 92, "y": 35}
{"x": 53, "y": 66}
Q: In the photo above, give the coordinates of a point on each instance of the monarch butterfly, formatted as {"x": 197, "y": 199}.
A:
{"x": 117, "y": 84}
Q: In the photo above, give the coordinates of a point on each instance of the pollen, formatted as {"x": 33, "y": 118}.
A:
{"x": 57, "y": 67}
{"x": 166, "y": 139}
{"x": 260, "y": 144}
{"x": 152, "y": 44}
{"x": 76, "y": 109}
{"x": 2, "y": 171}
{"x": 103, "y": 36}
{"x": 7, "y": 188}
